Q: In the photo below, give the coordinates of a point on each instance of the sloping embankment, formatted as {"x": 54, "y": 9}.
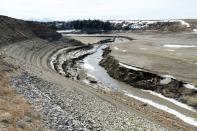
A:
{"x": 16, "y": 113}
{"x": 14, "y": 30}
{"x": 139, "y": 78}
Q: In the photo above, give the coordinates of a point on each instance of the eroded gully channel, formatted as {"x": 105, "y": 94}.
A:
{"x": 94, "y": 70}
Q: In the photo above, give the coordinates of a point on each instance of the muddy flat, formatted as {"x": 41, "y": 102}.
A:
{"x": 170, "y": 54}
{"x": 87, "y": 39}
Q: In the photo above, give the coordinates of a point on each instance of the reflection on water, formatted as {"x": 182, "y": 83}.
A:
{"x": 91, "y": 64}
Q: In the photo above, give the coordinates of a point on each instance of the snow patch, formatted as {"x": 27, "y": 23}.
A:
{"x": 182, "y": 22}
{"x": 89, "y": 75}
{"x": 171, "y": 50}
{"x": 86, "y": 81}
{"x": 143, "y": 48}
{"x": 190, "y": 86}
{"x": 180, "y": 46}
{"x": 186, "y": 119}
{"x": 88, "y": 66}
{"x": 169, "y": 76}
{"x": 116, "y": 48}
{"x": 124, "y": 50}
{"x": 140, "y": 24}
{"x": 129, "y": 67}
{"x": 52, "y": 63}
{"x": 165, "y": 80}
{"x": 68, "y": 31}
{"x": 171, "y": 100}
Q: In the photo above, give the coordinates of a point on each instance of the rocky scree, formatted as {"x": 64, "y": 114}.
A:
{"x": 54, "y": 116}
{"x": 72, "y": 109}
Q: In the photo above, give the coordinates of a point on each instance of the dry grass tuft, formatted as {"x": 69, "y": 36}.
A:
{"x": 14, "y": 109}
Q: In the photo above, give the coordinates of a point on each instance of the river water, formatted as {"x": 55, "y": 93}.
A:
{"x": 91, "y": 65}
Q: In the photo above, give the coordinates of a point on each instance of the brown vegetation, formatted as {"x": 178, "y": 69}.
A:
{"x": 16, "y": 114}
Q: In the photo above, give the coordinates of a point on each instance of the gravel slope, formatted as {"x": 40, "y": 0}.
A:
{"x": 71, "y": 109}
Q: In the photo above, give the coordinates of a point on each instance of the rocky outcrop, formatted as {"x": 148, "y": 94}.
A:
{"x": 148, "y": 81}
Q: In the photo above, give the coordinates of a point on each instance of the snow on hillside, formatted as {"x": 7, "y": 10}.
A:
{"x": 141, "y": 24}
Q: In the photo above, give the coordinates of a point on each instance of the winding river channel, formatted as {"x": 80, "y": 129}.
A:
{"x": 180, "y": 110}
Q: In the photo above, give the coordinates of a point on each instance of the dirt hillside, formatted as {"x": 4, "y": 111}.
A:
{"x": 13, "y": 30}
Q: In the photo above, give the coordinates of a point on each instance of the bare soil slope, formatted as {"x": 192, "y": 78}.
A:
{"x": 12, "y": 30}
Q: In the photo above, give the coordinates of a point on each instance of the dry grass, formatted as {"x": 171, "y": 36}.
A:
{"x": 15, "y": 106}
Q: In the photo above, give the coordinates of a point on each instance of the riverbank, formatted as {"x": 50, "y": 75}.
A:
{"x": 143, "y": 79}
